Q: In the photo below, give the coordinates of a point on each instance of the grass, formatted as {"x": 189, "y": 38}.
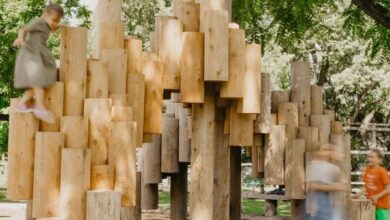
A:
{"x": 3, "y": 198}
{"x": 250, "y": 206}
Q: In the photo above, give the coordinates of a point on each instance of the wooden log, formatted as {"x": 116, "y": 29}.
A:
{"x": 263, "y": 120}
{"x": 258, "y": 143}
{"x": 129, "y": 213}
{"x": 152, "y": 166}
{"x": 295, "y": 169}
{"x": 184, "y": 137}
{"x": 118, "y": 99}
{"x": 216, "y": 46}
{"x": 122, "y": 156}
{"x": 288, "y": 116}
{"x": 250, "y": 103}
{"x": 270, "y": 208}
{"x": 310, "y": 135}
{"x": 233, "y": 87}
{"x": 235, "y": 183}
{"x": 170, "y": 146}
{"x": 278, "y": 97}
{"x": 189, "y": 15}
{"x": 202, "y": 157}
{"x": 75, "y": 129}
{"x": 322, "y": 122}
{"x": 115, "y": 62}
{"x": 316, "y": 100}
{"x": 337, "y": 127}
{"x": 75, "y": 182}
{"x": 21, "y": 145}
{"x": 206, "y": 5}
{"x": 179, "y": 191}
{"x": 226, "y": 122}
{"x": 103, "y": 204}
{"x": 54, "y": 100}
{"x": 331, "y": 114}
{"x": 274, "y": 155}
{"x": 29, "y": 210}
{"x": 169, "y": 43}
{"x": 255, "y": 162}
{"x": 136, "y": 99}
{"x": 241, "y": 128}
{"x": 300, "y": 90}
{"x": 149, "y": 196}
{"x": 133, "y": 48}
{"x": 148, "y": 138}
{"x": 98, "y": 113}
{"x": 73, "y": 68}
{"x": 221, "y": 170}
{"x": 121, "y": 113}
{"x": 274, "y": 119}
{"x": 102, "y": 177}
{"x": 192, "y": 68}
{"x": 362, "y": 209}
{"x": 47, "y": 174}
{"x": 154, "y": 72}
{"x": 155, "y": 36}
{"x": 111, "y": 36}
{"x": 97, "y": 79}
{"x": 108, "y": 11}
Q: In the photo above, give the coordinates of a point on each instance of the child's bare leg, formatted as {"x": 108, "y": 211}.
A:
{"x": 27, "y": 96}
{"x": 40, "y": 111}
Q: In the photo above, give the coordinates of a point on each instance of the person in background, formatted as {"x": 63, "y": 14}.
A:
{"x": 322, "y": 182}
{"x": 35, "y": 67}
{"x": 377, "y": 185}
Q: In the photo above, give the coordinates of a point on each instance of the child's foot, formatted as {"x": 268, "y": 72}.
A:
{"x": 23, "y": 108}
{"x": 44, "y": 115}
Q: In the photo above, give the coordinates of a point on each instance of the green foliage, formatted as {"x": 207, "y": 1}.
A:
{"x": 3, "y": 137}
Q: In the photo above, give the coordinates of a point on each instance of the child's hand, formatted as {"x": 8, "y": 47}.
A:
{"x": 375, "y": 199}
{"x": 19, "y": 42}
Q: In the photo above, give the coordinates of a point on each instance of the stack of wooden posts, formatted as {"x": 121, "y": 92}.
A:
{"x": 217, "y": 101}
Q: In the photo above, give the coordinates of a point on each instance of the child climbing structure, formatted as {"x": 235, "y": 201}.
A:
{"x": 193, "y": 101}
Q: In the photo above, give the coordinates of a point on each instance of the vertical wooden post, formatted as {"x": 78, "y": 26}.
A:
{"x": 111, "y": 36}
{"x": 336, "y": 127}
{"x": 21, "y": 145}
{"x": 322, "y": 122}
{"x": 170, "y": 145}
{"x": 54, "y": 100}
{"x": 152, "y": 166}
{"x": 310, "y": 135}
{"x": 250, "y": 103}
{"x": 300, "y": 90}
{"x": 288, "y": 116}
{"x": 278, "y": 97}
{"x": 170, "y": 45}
{"x": 241, "y": 128}
{"x": 255, "y": 162}
{"x": 73, "y": 68}
{"x": 47, "y": 173}
{"x": 258, "y": 143}
{"x": 295, "y": 169}
{"x": 98, "y": 112}
{"x": 206, "y": 5}
{"x": 216, "y": 46}
{"x": 75, "y": 181}
{"x": 134, "y": 212}
{"x": 102, "y": 177}
{"x": 154, "y": 72}
{"x": 136, "y": 99}
{"x": 179, "y": 190}
{"x": 263, "y": 120}
{"x": 274, "y": 155}
{"x": 331, "y": 114}
{"x": 184, "y": 137}
{"x": 75, "y": 129}
{"x": 235, "y": 183}
{"x": 118, "y": 99}
{"x": 233, "y": 87}
{"x": 192, "y": 68}
{"x": 133, "y": 48}
{"x": 221, "y": 170}
{"x": 97, "y": 79}
{"x": 316, "y": 100}
{"x": 362, "y": 209}
{"x": 189, "y": 15}
{"x": 121, "y": 113}
{"x": 103, "y": 205}
{"x": 122, "y": 156}
{"x": 115, "y": 62}
{"x": 202, "y": 157}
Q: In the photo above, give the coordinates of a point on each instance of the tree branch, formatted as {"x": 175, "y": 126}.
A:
{"x": 376, "y": 11}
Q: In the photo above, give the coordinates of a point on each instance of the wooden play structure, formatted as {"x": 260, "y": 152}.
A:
{"x": 193, "y": 101}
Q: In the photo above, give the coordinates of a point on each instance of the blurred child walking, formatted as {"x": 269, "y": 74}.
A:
{"x": 35, "y": 67}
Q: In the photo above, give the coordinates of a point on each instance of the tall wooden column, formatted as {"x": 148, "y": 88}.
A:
{"x": 235, "y": 183}
{"x": 179, "y": 190}
{"x": 300, "y": 90}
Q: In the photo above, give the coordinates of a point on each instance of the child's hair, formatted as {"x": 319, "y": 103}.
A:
{"x": 56, "y": 8}
{"x": 379, "y": 154}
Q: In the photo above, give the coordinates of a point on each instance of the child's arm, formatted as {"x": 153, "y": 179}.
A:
{"x": 380, "y": 195}
{"x": 328, "y": 187}
{"x": 20, "y": 40}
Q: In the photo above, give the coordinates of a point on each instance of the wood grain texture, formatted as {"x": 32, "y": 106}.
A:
{"x": 288, "y": 115}
{"x": 136, "y": 99}
{"x": 189, "y": 15}
{"x": 322, "y": 122}
{"x": 278, "y": 97}
{"x": 103, "y": 204}
{"x": 241, "y": 128}
{"x": 97, "y": 79}
{"x": 152, "y": 166}
{"x": 102, "y": 177}
{"x": 300, "y": 90}
{"x": 133, "y": 47}
{"x": 295, "y": 169}
{"x": 75, "y": 129}
{"x": 115, "y": 62}
{"x": 274, "y": 155}
{"x": 170, "y": 145}
{"x": 54, "y": 102}
{"x": 263, "y": 120}
{"x": 316, "y": 100}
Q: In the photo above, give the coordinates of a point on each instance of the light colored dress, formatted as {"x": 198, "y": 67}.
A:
{"x": 35, "y": 65}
